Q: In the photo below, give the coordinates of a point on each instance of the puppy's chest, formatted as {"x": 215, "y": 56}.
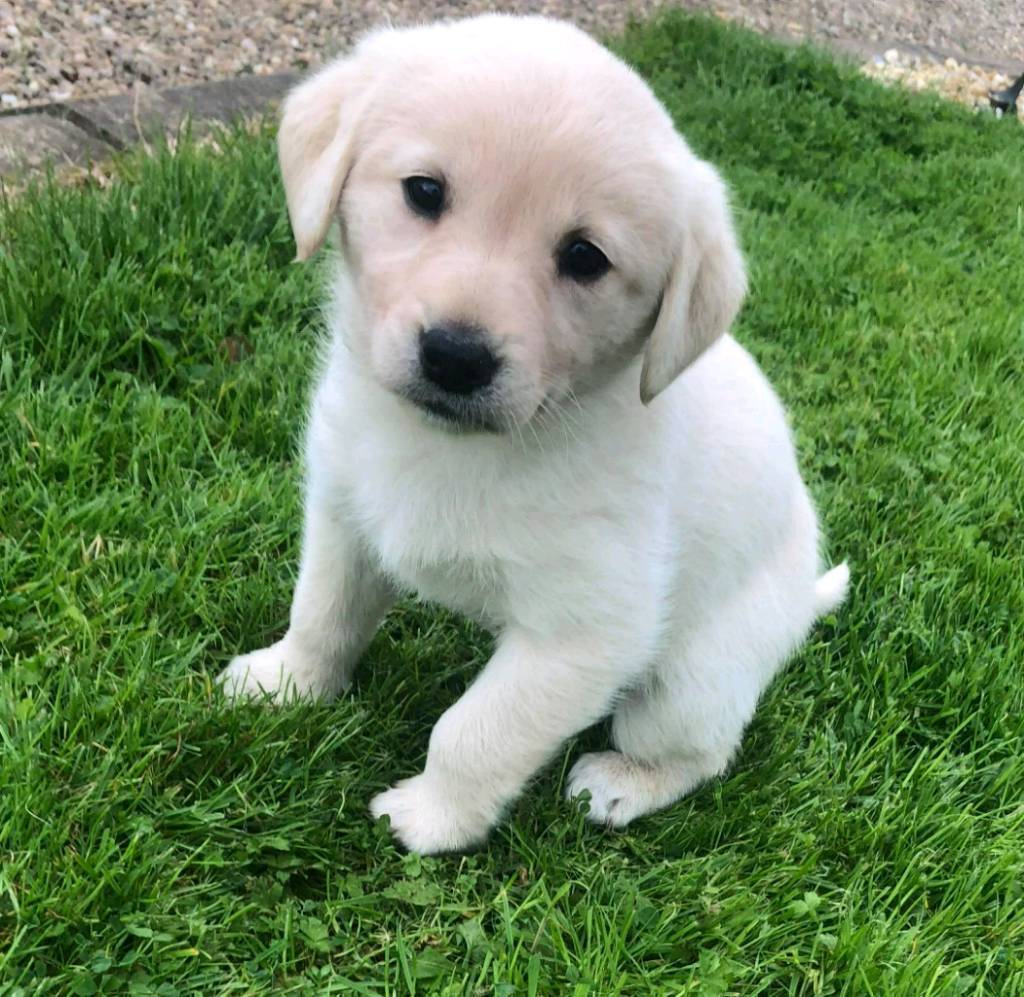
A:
{"x": 442, "y": 545}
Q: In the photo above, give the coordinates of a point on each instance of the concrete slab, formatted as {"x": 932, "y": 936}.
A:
{"x": 78, "y": 131}
{"x": 148, "y": 114}
{"x": 226, "y": 100}
{"x": 28, "y": 142}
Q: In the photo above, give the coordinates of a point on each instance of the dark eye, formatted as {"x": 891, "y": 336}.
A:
{"x": 582, "y": 261}
{"x": 424, "y": 195}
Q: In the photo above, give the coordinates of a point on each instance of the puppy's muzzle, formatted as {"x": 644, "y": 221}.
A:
{"x": 456, "y": 359}
{"x": 456, "y": 378}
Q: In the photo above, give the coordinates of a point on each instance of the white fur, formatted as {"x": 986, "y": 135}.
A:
{"x": 658, "y": 562}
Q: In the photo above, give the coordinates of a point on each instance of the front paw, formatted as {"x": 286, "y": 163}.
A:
{"x": 427, "y": 820}
{"x": 280, "y": 673}
{"x": 622, "y": 789}
{"x": 619, "y": 788}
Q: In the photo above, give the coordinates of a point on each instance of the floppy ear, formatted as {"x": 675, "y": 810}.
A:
{"x": 316, "y": 144}
{"x": 705, "y": 287}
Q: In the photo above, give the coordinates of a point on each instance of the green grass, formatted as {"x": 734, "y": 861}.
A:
{"x": 870, "y": 839}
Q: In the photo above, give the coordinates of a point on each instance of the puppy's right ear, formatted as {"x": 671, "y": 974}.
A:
{"x": 316, "y": 145}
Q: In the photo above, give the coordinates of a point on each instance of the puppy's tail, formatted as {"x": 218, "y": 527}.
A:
{"x": 830, "y": 589}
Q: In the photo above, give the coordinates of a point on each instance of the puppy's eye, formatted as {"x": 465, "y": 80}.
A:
{"x": 582, "y": 261}
{"x": 424, "y": 195}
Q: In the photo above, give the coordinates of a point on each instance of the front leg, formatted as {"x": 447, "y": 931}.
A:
{"x": 533, "y": 695}
{"x": 339, "y": 600}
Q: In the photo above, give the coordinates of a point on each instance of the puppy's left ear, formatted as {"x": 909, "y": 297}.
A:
{"x": 316, "y": 146}
{"x": 705, "y": 286}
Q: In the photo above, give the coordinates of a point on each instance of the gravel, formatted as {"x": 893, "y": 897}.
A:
{"x": 56, "y": 50}
{"x": 53, "y": 50}
{"x": 954, "y": 80}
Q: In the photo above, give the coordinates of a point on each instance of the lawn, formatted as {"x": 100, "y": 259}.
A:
{"x": 156, "y": 347}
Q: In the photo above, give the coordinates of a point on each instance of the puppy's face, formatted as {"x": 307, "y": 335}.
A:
{"x": 513, "y": 207}
{"x": 502, "y": 246}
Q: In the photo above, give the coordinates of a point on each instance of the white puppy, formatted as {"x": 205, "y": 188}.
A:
{"x": 529, "y": 412}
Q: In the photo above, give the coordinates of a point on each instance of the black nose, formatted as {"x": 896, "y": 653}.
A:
{"x": 456, "y": 359}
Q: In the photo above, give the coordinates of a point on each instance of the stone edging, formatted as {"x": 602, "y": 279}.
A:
{"x": 77, "y": 132}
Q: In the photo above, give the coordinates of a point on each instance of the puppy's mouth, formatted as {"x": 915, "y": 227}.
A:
{"x": 455, "y": 415}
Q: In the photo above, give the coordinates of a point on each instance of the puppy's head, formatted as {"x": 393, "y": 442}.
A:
{"x": 518, "y": 217}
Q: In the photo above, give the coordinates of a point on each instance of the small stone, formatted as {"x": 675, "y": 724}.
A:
{"x": 892, "y": 56}
{"x": 146, "y": 69}
{"x": 8, "y": 100}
